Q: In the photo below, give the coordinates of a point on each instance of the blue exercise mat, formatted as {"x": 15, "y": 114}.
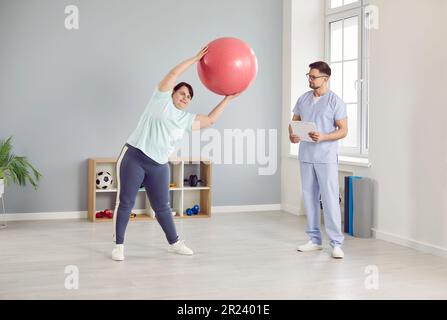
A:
{"x": 346, "y": 207}
{"x": 351, "y": 205}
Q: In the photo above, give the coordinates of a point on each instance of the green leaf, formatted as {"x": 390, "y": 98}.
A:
{"x": 16, "y": 168}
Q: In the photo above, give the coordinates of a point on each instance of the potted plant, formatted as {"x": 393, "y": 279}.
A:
{"x": 15, "y": 168}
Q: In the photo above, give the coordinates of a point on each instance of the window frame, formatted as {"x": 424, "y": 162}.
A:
{"x": 345, "y": 12}
{"x": 365, "y": 81}
{"x": 341, "y": 8}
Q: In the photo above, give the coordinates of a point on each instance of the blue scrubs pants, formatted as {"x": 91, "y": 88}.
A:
{"x": 316, "y": 179}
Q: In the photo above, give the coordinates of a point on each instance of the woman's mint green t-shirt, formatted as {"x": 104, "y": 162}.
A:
{"x": 161, "y": 127}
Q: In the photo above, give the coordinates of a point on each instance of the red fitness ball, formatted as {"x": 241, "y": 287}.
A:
{"x": 229, "y": 67}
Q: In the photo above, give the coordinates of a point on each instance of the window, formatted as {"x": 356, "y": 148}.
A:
{"x": 347, "y": 44}
{"x": 344, "y": 60}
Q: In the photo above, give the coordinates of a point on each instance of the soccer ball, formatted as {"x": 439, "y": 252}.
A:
{"x": 103, "y": 180}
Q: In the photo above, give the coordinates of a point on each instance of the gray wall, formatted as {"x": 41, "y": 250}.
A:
{"x": 66, "y": 96}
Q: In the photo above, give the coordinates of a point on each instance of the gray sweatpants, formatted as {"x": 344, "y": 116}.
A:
{"x": 134, "y": 168}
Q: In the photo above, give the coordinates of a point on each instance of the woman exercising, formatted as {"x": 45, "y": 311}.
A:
{"x": 144, "y": 158}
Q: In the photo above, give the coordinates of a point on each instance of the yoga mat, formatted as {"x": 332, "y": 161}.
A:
{"x": 362, "y": 204}
{"x": 351, "y": 205}
{"x": 346, "y": 207}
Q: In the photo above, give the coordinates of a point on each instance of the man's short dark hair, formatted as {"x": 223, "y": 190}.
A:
{"x": 321, "y": 66}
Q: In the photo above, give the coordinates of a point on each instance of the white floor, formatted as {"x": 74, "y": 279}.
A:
{"x": 237, "y": 256}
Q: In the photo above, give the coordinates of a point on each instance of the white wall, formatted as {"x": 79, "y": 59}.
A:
{"x": 408, "y": 147}
{"x": 303, "y": 43}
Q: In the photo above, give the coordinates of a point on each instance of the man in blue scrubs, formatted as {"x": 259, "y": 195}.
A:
{"x": 319, "y": 159}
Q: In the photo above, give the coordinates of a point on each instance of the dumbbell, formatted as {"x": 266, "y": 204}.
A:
{"x": 193, "y": 210}
{"x": 196, "y": 209}
{"x": 193, "y": 180}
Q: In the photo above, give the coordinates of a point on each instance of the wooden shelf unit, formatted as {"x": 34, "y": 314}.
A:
{"x": 182, "y": 196}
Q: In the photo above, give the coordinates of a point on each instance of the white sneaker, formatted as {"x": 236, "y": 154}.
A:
{"x": 310, "y": 246}
{"x": 337, "y": 253}
{"x": 180, "y": 248}
{"x": 118, "y": 252}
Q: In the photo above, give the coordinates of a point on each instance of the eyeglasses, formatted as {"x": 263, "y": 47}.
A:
{"x": 312, "y": 78}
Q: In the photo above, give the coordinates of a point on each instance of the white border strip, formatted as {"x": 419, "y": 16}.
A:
{"x": 83, "y": 214}
{"x": 43, "y": 216}
{"x": 248, "y": 208}
{"x": 420, "y": 246}
{"x": 118, "y": 187}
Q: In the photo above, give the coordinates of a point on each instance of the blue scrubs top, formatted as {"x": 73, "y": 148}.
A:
{"x": 324, "y": 113}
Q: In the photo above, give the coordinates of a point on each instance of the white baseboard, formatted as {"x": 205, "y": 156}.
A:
{"x": 292, "y": 209}
{"x": 43, "y": 216}
{"x": 420, "y": 246}
{"x": 83, "y": 214}
{"x": 248, "y": 208}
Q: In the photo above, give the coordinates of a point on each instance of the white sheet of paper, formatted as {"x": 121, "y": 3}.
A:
{"x": 302, "y": 129}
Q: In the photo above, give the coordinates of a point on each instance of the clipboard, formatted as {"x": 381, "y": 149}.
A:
{"x": 302, "y": 129}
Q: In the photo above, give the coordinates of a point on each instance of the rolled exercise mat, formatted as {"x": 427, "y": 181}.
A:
{"x": 363, "y": 207}
{"x": 346, "y": 207}
{"x": 351, "y": 204}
